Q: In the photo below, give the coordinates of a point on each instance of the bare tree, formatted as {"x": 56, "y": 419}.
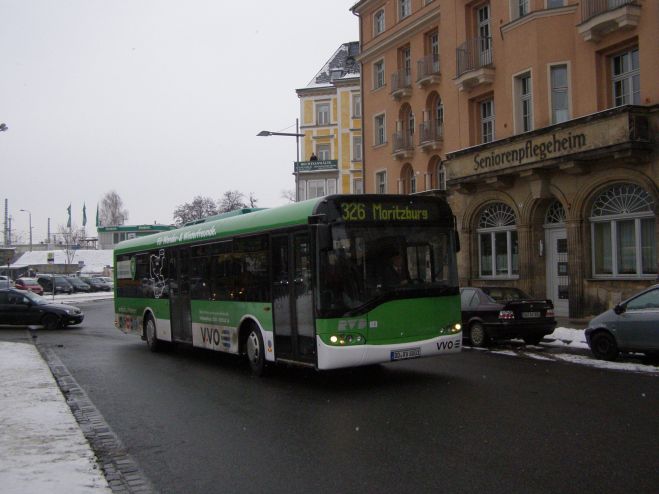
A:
{"x": 289, "y": 195}
{"x": 252, "y": 200}
{"x": 200, "y": 207}
{"x": 231, "y": 200}
{"x": 71, "y": 242}
{"x": 111, "y": 211}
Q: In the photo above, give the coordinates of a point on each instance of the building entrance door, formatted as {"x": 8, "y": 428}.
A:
{"x": 557, "y": 270}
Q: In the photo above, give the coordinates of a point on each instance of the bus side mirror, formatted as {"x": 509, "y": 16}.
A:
{"x": 323, "y": 236}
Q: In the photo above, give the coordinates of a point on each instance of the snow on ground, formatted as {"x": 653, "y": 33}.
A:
{"x": 42, "y": 449}
{"x": 571, "y": 340}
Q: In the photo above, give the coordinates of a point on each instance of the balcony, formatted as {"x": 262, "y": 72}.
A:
{"x": 474, "y": 63}
{"x": 401, "y": 84}
{"x": 428, "y": 70}
{"x": 402, "y": 145}
{"x": 431, "y": 136}
{"x": 602, "y": 17}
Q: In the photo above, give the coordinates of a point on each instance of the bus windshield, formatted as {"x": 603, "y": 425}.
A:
{"x": 367, "y": 264}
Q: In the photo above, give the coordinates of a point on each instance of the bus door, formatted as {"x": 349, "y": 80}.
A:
{"x": 179, "y": 295}
{"x": 293, "y": 298}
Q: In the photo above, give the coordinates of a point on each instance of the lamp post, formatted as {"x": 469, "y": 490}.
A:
{"x": 30, "y": 218}
{"x": 296, "y": 134}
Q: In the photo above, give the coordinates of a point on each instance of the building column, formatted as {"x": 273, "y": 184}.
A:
{"x": 525, "y": 254}
{"x": 577, "y": 259}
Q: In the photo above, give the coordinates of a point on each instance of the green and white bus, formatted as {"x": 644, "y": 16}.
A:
{"x": 304, "y": 284}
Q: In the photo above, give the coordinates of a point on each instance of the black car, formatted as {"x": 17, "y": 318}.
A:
{"x": 97, "y": 284}
{"x": 491, "y": 313}
{"x": 60, "y": 282}
{"x": 18, "y": 307}
{"x": 78, "y": 285}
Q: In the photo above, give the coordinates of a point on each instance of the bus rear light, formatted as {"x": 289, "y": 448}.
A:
{"x": 506, "y": 315}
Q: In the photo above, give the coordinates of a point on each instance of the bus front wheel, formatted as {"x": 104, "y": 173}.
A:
{"x": 255, "y": 351}
{"x": 150, "y": 335}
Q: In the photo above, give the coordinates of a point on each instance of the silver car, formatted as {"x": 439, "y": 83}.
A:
{"x": 631, "y": 326}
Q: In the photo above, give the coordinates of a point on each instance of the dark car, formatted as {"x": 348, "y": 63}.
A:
{"x": 96, "y": 284}
{"x": 29, "y": 284}
{"x": 60, "y": 282}
{"x": 78, "y": 285}
{"x": 18, "y": 307}
{"x": 492, "y": 313}
{"x": 631, "y": 326}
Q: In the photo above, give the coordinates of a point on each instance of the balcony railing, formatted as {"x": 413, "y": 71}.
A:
{"x": 401, "y": 83}
{"x": 428, "y": 70}
{"x": 402, "y": 144}
{"x": 592, "y": 8}
{"x": 431, "y": 134}
{"x": 474, "y": 54}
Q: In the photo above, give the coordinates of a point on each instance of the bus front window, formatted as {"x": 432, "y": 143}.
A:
{"x": 365, "y": 264}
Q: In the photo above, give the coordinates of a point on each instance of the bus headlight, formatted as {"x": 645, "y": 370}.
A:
{"x": 452, "y": 328}
{"x": 346, "y": 339}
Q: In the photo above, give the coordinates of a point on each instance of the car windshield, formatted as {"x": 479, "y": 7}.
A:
{"x": 364, "y": 264}
{"x": 28, "y": 282}
{"x": 34, "y": 298}
{"x": 500, "y": 294}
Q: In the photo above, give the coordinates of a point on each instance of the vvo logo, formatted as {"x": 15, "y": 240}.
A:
{"x": 352, "y": 324}
{"x": 448, "y": 345}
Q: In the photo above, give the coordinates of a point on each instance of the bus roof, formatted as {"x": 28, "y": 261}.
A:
{"x": 265, "y": 219}
{"x": 374, "y": 207}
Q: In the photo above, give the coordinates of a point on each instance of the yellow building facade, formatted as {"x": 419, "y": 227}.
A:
{"x": 330, "y": 119}
{"x": 539, "y": 119}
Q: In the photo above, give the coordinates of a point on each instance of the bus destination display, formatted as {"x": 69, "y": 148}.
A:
{"x": 382, "y": 211}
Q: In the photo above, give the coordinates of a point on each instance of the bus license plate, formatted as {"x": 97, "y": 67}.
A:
{"x": 530, "y": 315}
{"x": 405, "y": 354}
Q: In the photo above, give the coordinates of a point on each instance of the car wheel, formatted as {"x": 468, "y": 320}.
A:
{"x": 477, "y": 335}
{"x": 50, "y": 322}
{"x": 532, "y": 339}
{"x": 150, "y": 335}
{"x": 604, "y": 346}
{"x": 255, "y": 351}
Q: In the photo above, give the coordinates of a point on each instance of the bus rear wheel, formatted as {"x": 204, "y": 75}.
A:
{"x": 255, "y": 351}
{"x": 150, "y": 335}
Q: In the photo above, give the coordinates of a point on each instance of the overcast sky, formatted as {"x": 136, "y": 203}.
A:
{"x": 160, "y": 100}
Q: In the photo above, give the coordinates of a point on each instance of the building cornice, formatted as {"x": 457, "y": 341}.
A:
{"x": 397, "y": 38}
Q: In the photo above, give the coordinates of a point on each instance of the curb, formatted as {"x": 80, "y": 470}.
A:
{"x": 119, "y": 468}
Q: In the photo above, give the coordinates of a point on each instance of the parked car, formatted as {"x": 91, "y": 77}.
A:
{"x": 631, "y": 326}
{"x": 18, "y": 307}
{"x": 492, "y": 313}
{"x": 6, "y": 281}
{"x": 78, "y": 285}
{"x": 107, "y": 279}
{"x": 29, "y": 284}
{"x": 96, "y": 284}
{"x": 60, "y": 282}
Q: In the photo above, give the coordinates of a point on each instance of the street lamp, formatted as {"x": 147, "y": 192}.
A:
{"x": 266, "y": 133}
{"x": 30, "y": 218}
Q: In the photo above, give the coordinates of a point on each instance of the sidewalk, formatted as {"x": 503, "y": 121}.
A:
{"x": 42, "y": 449}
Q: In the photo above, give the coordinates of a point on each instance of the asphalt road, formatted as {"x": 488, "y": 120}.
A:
{"x": 198, "y": 422}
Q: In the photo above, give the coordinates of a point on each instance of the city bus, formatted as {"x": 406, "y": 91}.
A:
{"x": 307, "y": 283}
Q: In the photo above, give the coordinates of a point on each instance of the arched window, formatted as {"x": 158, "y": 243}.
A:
{"x": 498, "y": 248}
{"x": 555, "y": 213}
{"x": 622, "y": 230}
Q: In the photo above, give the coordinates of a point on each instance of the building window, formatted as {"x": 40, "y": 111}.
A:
{"x": 357, "y": 186}
{"x": 441, "y": 176}
{"x": 555, "y": 213}
{"x": 487, "y": 120}
{"x": 485, "y": 39}
{"x": 357, "y": 105}
{"x": 524, "y": 103}
{"x": 552, "y": 4}
{"x": 519, "y": 8}
{"x": 378, "y": 22}
{"x": 379, "y": 127}
{"x": 433, "y": 46}
{"x": 322, "y": 113}
{"x": 323, "y": 152}
{"x": 560, "y": 111}
{"x": 381, "y": 182}
{"x": 356, "y": 148}
{"x": 378, "y": 74}
{"x": 626, "y": 78}
{"x": 623, "y": 232}
{"x": 498, "y": 249}
{"x": 404, "y": 8}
